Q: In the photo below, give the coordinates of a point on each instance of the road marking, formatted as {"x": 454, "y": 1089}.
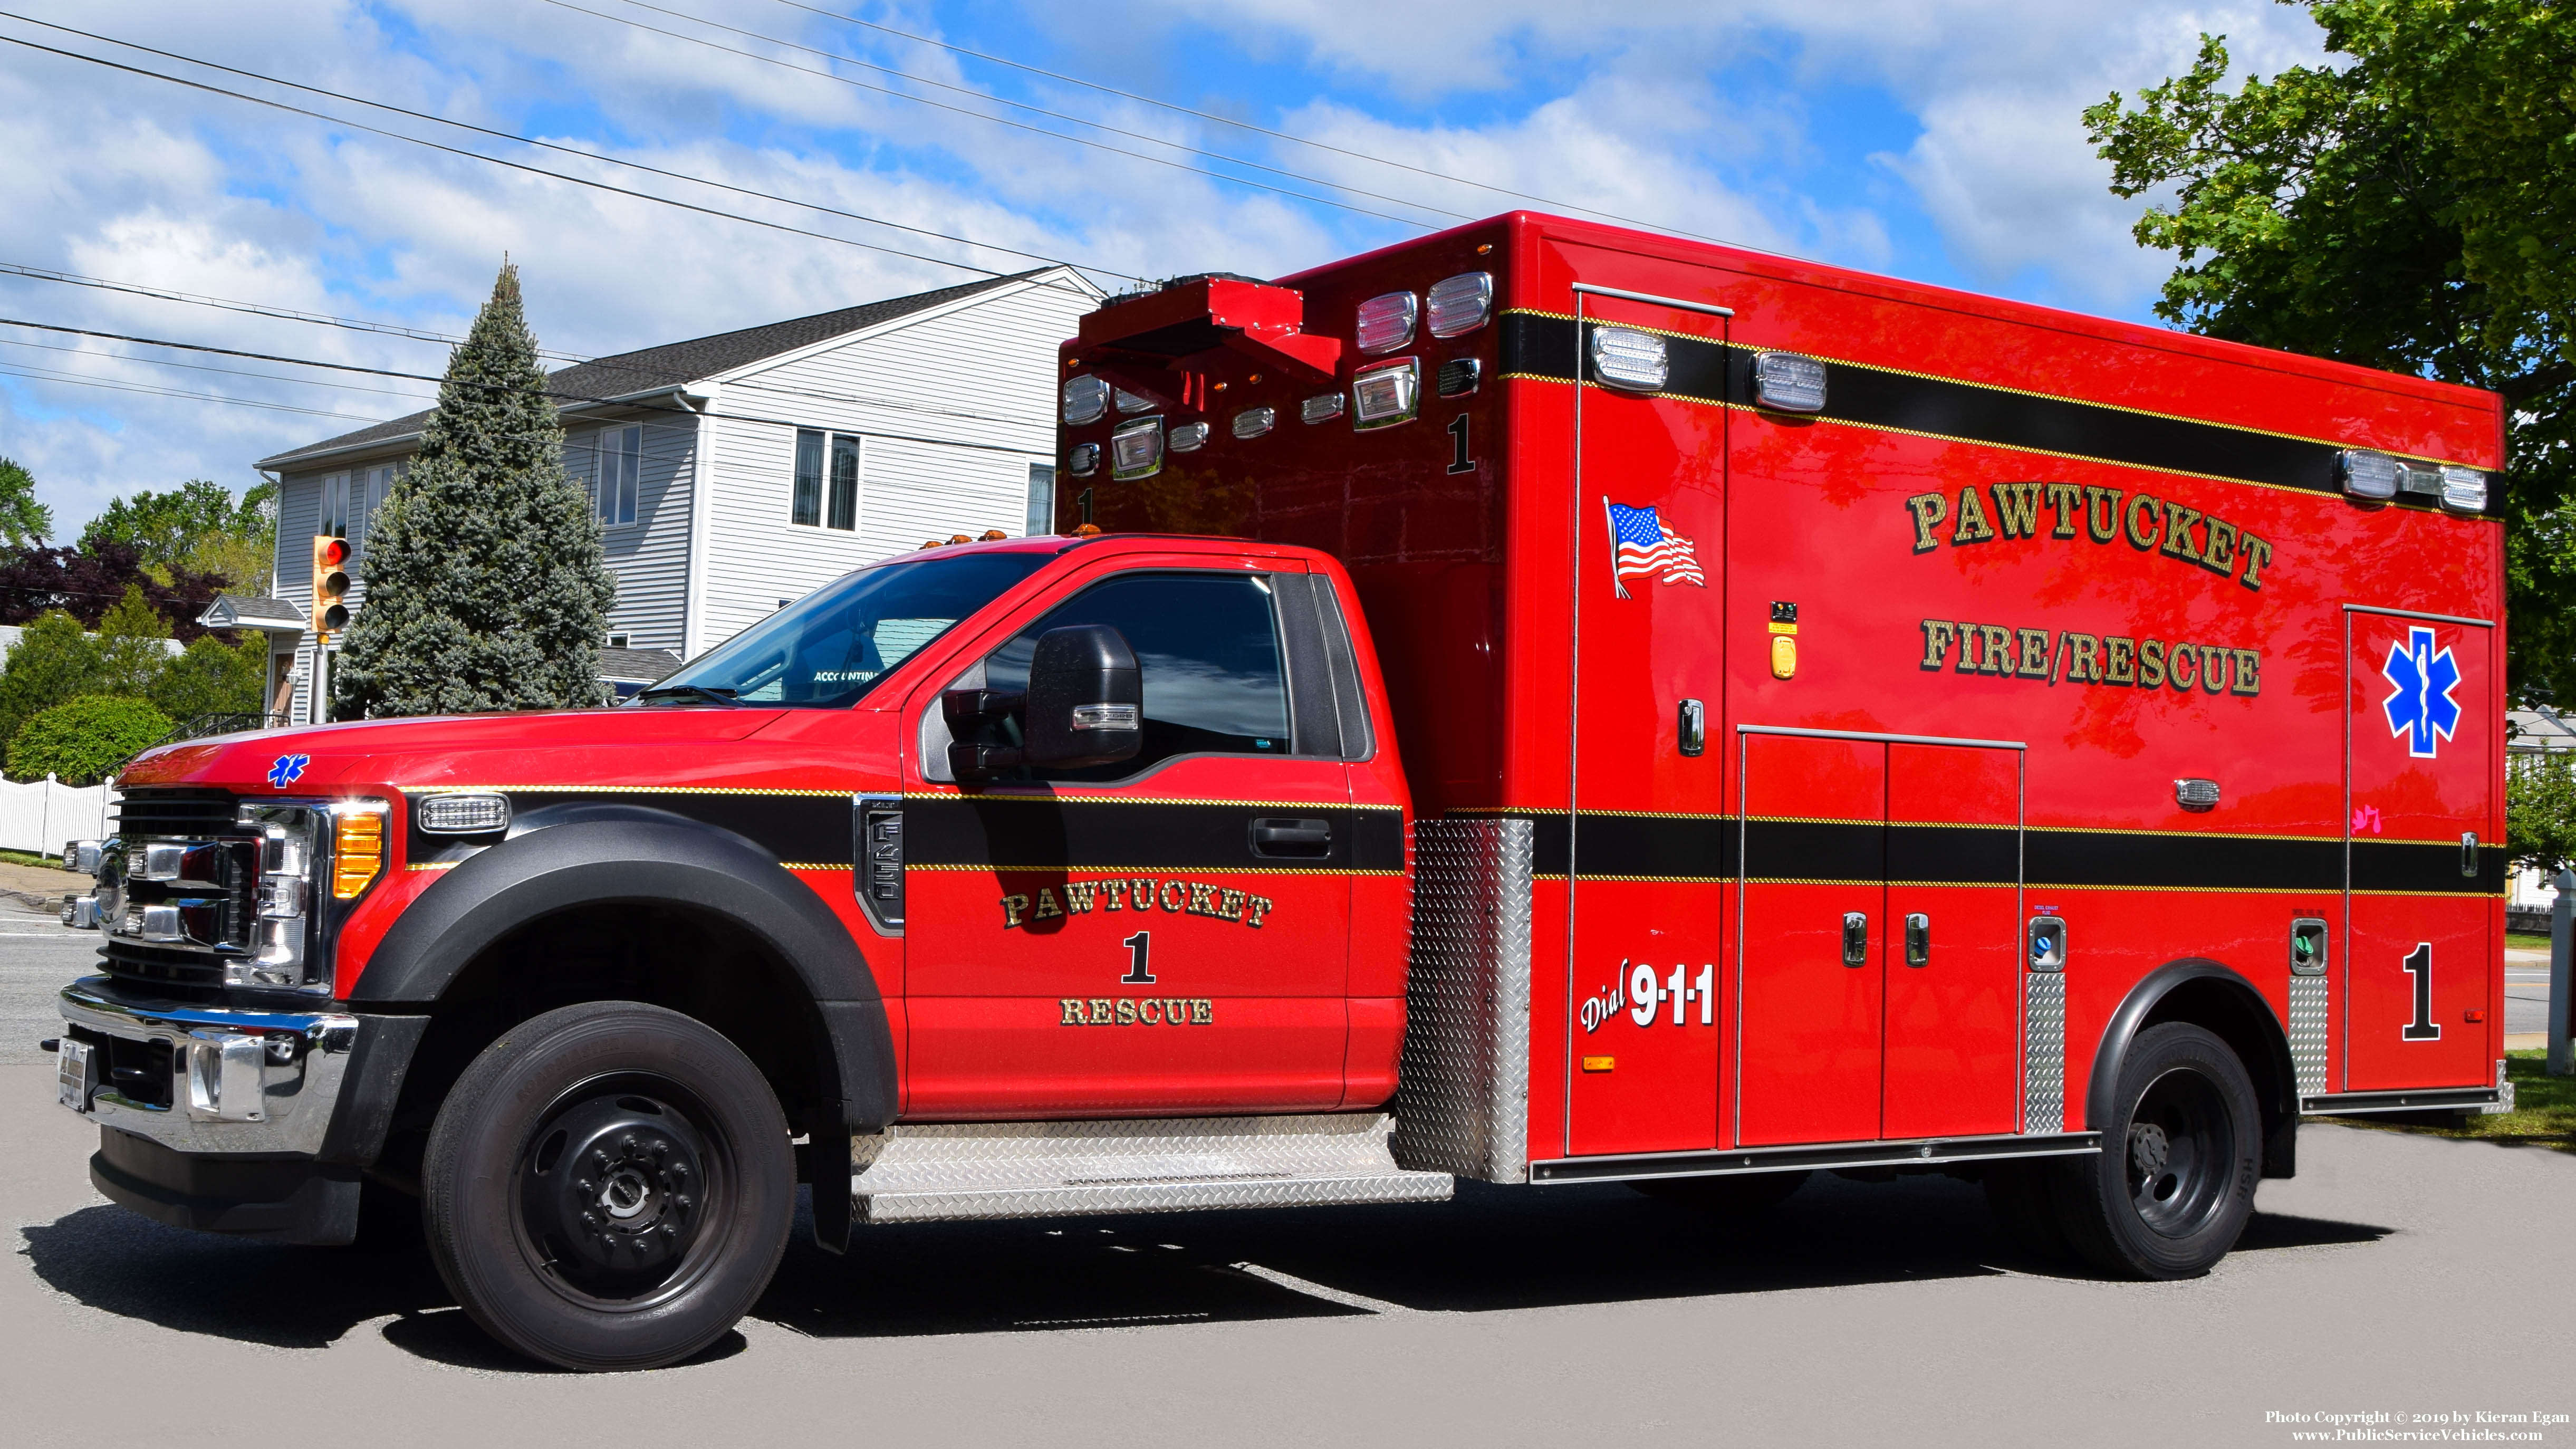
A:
{"x": 1295, "y": 1284}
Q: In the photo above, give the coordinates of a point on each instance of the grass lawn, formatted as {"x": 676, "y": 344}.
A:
{"x": 2544, "y": 1113}
{"x": 2519, "y": 942}
{"x": 20, "y": 857}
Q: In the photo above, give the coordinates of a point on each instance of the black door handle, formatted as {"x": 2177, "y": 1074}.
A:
{"x": 1292, "y": 839}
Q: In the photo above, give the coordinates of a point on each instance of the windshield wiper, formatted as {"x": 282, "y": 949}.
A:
{"x": 714, "y": 693}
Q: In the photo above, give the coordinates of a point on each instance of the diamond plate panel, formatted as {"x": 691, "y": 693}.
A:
{"x": 2043, "y": 1051}
{"x": 913, "y": 1173}
{"x": 1463, "y": 1106}
{"x": 2310, "y": 998}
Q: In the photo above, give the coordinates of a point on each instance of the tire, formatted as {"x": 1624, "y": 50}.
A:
{"x": 1743, "y": 1198}
{"x": 2182, "y": 1152}
{"x": 609, "y": 1186}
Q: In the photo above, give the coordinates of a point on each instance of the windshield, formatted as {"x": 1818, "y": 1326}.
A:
{"x": 833, "y": 645}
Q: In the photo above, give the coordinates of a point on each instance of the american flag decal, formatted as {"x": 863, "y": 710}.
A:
{"x": 1641, "y": 547}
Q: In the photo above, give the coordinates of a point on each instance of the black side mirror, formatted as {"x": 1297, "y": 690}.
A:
{"x": 979, "y": 730}
{"x": 1086, "y": 700}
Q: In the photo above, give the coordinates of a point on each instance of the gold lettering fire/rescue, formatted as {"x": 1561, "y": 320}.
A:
{"x": 2072, "y": 657}
{"x": 2151, "y": 525}
{"x": 1137, "y": 1011}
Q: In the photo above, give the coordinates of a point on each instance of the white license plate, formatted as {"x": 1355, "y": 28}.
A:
{"x": 72, "y": 1074}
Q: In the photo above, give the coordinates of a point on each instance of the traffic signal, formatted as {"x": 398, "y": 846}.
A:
{"x": 330, "y": 583}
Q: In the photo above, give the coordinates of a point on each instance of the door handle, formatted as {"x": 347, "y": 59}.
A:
{"x": 1918, "y": 939}
{"x": 1855, "y": 939}
{"x": 1282, "y": 839}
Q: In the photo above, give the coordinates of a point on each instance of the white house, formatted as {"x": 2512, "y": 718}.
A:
{"x": 736, "y": 472}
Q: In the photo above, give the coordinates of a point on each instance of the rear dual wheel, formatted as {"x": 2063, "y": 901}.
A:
{"x": 2173, "y": 1186}
{"x": 609, "y": 1186}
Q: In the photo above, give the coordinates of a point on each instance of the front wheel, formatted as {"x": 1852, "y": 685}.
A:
{"x": 609, "y": 1186}
{"x": 2181, "y": 1155}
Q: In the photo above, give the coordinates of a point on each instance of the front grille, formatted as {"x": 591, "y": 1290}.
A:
{"x": 174, "y": 812}
{"x": 163, "y": 973}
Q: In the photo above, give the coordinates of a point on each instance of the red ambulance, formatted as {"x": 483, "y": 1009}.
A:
{"x": 1542, "y": 703}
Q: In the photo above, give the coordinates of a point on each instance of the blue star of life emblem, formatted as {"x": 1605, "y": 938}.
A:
{"x": 287, "y": 770}
{"x": 2420, "y": 709}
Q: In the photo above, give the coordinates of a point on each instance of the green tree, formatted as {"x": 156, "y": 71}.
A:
{"x": 212, "y": 677}
{"x": 2540, "y": 810}
{"x": 487, "y": 587}
{"x": 178, "y": 528}
{"x": 55, "y": 660}
{"x": 23, "y": 521}
{"x": 2411, "y": 208}
{"x": 83, "y": 741}
{"x": 132, "y": 650}
{"x": 245, "y": 556}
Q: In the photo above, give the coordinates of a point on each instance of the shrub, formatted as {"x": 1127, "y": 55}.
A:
{"x": 83, "y": 741}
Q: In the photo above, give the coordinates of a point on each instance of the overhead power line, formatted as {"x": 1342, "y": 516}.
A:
{"x": 255, "y": 309}
{"x": 566, "y": 150}
{"x": 50, "y": 375}
{"x": 497, "y": 160}
{"x": 226, "y": 371}
{"x": 988, "y": 97}
{"x": 1243, "y": 125}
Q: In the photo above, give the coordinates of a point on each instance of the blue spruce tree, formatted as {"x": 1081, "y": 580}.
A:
{"x": 487, "y": 587}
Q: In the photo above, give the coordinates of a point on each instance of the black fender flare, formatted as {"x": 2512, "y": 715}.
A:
{"x": 2141, "y": 1003}
{"x": 602, "y": 853}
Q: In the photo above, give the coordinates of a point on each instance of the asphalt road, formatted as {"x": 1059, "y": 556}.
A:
{"x": 2526, "y": 992}
{"x": 2396, "y": 1274}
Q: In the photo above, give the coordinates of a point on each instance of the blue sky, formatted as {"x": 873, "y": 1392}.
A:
{"x": 1932, "y": 141}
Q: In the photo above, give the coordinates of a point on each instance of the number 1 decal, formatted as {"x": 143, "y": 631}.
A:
{"x": 2419, "y": 964}
{"x": 1459, "y": 461}
{"x": 1139, "y": 947}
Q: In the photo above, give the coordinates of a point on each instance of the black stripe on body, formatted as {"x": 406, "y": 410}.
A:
{"x": 1044, "y": 832}
{"x": 1702, "y": 370}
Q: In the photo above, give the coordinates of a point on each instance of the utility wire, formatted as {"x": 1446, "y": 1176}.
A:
{"x": 638, "y": 405}
{"x": 512, "y": 165}
{"x": 1246, "y": 125}
{"x": 42, "y": 374}
{"x": 567, "y": 150}
{"x": 227, "y": 371}
{"x": 255, "y": 309}
{"x": 991, "y": 98}
{"x": 1001, "y": 120}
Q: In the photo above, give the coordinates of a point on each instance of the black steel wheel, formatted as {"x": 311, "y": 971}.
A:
{"x": 2181, "y": 1157}
{"x": 609, "y": 1186}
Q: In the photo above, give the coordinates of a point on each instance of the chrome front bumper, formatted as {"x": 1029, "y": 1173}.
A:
{"x": 239, "y": 1081}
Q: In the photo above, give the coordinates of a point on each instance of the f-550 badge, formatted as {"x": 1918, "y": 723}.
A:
{"x": 2420, "y": 709}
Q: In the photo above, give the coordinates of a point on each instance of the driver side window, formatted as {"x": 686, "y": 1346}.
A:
{"x": 1208, "y": 645}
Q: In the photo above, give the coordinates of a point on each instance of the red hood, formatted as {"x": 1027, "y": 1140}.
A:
{"x": 661, "y": 745}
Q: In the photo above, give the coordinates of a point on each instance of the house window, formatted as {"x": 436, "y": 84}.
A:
{"x": 807, "y": 508}
{"x": 813, "y": 503}
{"x": 1041, "y": 500}
{"x": 845, "y": 484}
{"x": 619, "y": 641}
{"x": 620, "y": 452}
{"x": 335, "y": 506}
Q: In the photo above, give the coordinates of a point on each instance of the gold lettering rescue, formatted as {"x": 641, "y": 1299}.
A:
{"x": 1179, "y": 897}
{"x": 2156, "y": 526}
{"x": 2069, "y": 657}
{"x": 1137, "y": 1011}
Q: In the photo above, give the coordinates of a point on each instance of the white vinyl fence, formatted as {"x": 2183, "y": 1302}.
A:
{"x": 39, "y": 817}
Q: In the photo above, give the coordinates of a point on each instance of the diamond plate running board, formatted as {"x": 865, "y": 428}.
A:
{"x": 926, "y": 1171}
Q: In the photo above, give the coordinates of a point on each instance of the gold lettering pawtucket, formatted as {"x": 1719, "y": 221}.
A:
{"x": 2149, "y": 524}
{"x": 1182, "y": 897}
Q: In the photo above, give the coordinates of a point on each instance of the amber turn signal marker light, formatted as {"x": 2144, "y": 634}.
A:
{"x": 357, "y": 852}
{"x": 1599, "y": 1064}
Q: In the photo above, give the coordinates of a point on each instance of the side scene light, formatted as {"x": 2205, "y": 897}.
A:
{"x": 474, "y": 814}
{"x": 1189, "y": 437}
{"x": 1787, "y": 382}
{"x": 1628, "y": 359}
{"x": 1253, "y": 422}
{"x": 2464, "y": 490}
{"x": 1321, "y": 409}
{"x": 2367, "y": 474}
